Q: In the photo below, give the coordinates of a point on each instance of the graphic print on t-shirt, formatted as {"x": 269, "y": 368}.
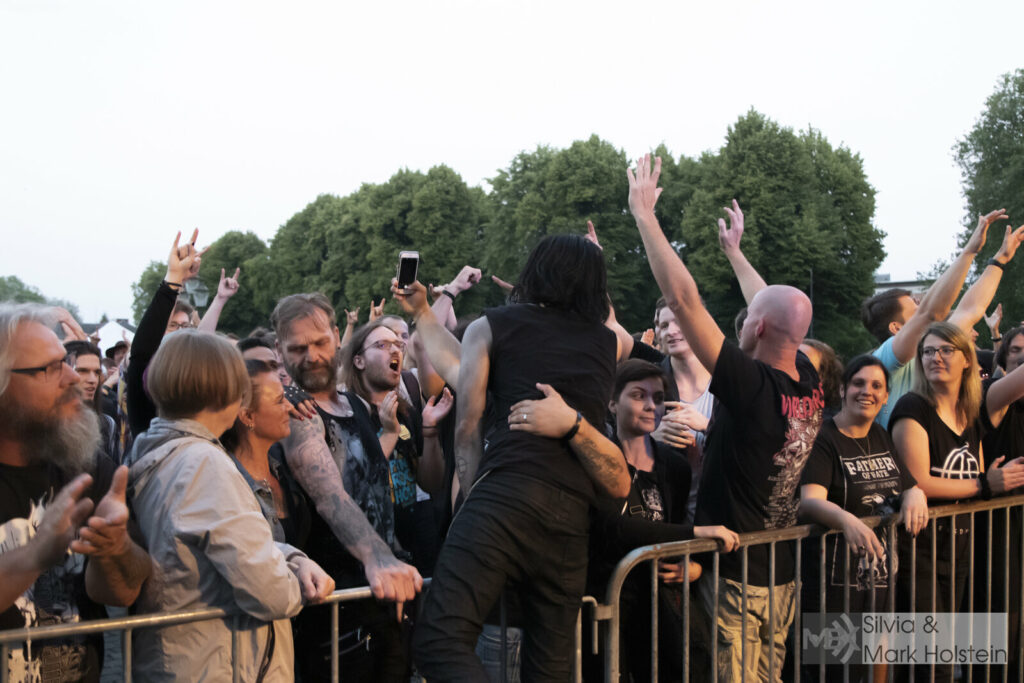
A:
{"x": 803, "y": 419}
{"x": 960, "y": 463}
{"x": 871, "y": 479}
{"x": 50, "y": 600}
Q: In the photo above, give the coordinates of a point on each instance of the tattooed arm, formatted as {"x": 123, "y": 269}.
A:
{"x": 310, "y": 460}
{"x": 472, "y": 393}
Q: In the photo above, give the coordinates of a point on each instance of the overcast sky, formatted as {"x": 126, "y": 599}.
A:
{"x": 123, "y": 122}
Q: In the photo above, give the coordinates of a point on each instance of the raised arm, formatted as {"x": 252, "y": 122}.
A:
{"x": 443, "y": 349}
{"x": 472, "y": 393}
{"x": 729, "y": 238}
{"x": 226, "y": 288}
{"x": 972, "y": 306}
{"x": 553, "y": 418}
{"x": 310, "y": 461}
{"x": 939, "y": 300}
{"x": 675, "y": 281}
{"x": 351, "y": 320}
{"x": 1002, "y": 392}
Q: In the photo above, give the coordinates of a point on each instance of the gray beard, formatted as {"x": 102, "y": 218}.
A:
{"x": 70, "y": 444}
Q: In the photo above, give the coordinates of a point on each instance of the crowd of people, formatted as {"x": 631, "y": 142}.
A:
{"x": 513, "y": 458}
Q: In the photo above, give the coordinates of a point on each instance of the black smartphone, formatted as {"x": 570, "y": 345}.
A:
{"x": 408, "y": 266}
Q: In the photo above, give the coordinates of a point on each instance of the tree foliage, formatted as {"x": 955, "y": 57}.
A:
{"x": 13, "y": 289}
{"x": 808, "y": 210}
{"x": 808, "y": 206}
{"x": 991, "y": 160}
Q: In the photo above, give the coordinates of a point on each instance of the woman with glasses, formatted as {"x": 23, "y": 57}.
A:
{"x": 937, "y": 430}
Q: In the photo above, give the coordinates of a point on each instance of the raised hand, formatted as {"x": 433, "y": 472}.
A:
{"x": 183, "y": 262}
{"x": 994, "y": 319}
{"x": 436, "y": 410}
{"x": 648, "y": 337}
{"x": 977, "y": 240}
{"x": 729, "y": 237}
{"x": 105, "y": 534}
{"x": 507, "y": 286}
{"x": 1011, "y": 240}
{"x": 413, "y": 299}
{"x": 377, "y": 310}
{"x": 591, "y": 235}
{"x": 352, "y": 317}
{"x": 228, "y": 286}
{"x": 72, "y": 330}
{"x": 466, "y": 278}
{"x": 643, "y": 186}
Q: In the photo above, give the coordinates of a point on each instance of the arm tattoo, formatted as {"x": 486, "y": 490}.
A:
{"x": 316, "y": 471}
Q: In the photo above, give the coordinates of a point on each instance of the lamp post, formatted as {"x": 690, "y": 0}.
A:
{"x": 198, "y": 293}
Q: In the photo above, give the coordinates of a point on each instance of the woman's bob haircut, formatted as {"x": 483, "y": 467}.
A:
{"x": 565, "y": 272}
{"x": 195, "y": 371}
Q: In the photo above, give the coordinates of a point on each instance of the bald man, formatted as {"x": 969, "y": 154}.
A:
{"x": 770, "y": 408}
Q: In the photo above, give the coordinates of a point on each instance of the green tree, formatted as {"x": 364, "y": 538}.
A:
{"x": 808, "y": 209}
{"x": 551, "y": 191}
{"x": 13, "y": 289}
{"x": 145, "y": 287}
{"x": 991, "y": 160}
{"x": 233, "y": 250}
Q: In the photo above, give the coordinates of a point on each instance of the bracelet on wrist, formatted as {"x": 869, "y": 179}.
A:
{"x": 997, "y": 339}
{"x": 997, "y": 264}
{"x": 448, "y": 294}
{"x": 575, "y": 428}
{"x": 173, "y": 285}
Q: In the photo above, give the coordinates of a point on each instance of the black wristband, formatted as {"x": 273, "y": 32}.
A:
{"x": 176, "y": 286}
{"x": 997, "y": 264}
{"x": 448, "y": 294}
{"x": 997, "y": 339}
{"x": 575, "y": 428}
{"x": 986, "y": 490}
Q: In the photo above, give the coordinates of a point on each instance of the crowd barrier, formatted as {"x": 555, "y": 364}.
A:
{"x": 987, "y": 514}
{"x": 999, "y": 516}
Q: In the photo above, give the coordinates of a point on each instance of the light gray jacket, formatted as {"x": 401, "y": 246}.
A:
{"x": 211, "y": 547}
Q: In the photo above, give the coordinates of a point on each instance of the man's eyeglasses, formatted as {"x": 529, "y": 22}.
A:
{"x": 173, "y": 326}
{"x": 386, "y": 344}
{"x": 50, "y": 370}
{"x": 945, "y": 352}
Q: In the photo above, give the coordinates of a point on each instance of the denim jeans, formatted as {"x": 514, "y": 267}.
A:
{"x": 490, "y": 650}
{"x": 511, "y": 529}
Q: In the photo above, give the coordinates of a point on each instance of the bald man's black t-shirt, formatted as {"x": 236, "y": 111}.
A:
{"x": 763, "y": 432}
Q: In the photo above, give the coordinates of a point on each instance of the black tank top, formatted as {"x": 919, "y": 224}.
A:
{"x": 531, "y": 344}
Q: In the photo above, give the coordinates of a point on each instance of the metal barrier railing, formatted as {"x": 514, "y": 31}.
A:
{"x": 610, "y": 610}
{"x": 128, "y": 625}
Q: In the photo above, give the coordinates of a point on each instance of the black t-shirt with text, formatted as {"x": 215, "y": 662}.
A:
{"x": 863, "y": 477}
{"x": 763, "y": 431}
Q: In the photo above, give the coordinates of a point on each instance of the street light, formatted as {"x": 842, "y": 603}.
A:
{"x": 198, "y": 293}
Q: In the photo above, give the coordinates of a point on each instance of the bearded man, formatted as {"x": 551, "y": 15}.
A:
{"x": 57, "y": 563}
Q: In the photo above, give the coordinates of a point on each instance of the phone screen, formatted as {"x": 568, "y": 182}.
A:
{"x": 408, "y": 264}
